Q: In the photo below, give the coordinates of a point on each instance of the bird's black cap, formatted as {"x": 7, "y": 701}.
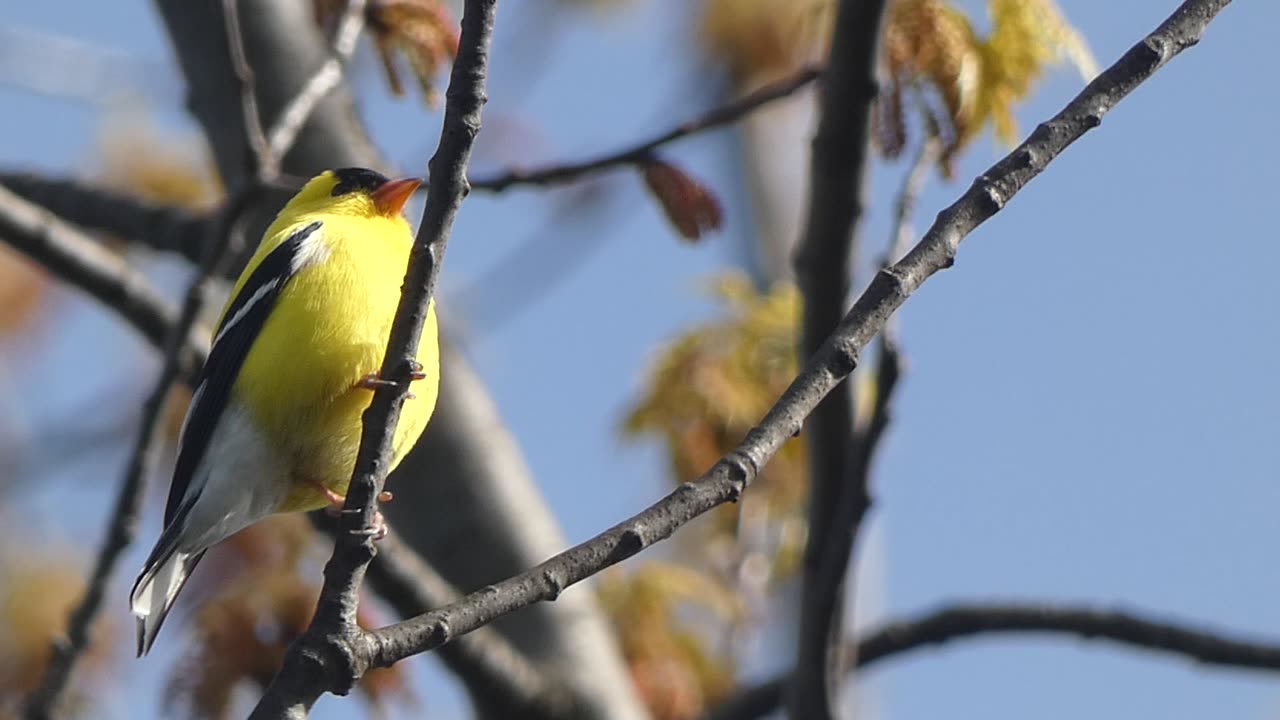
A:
{"x": 351, "y": 179}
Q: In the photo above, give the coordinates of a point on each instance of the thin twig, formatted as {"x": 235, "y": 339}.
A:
{"x": 723, "y": 115}
{"x": 1132, "y": 629}
{"x": 497, "y": 674}
{"x": 824, "y": 257}
{"x": 297, "y": 686}
{"x": 294, "y": 116}
{"x": 171, "y": 229}
{"x": 904, "y": 205}
{"x": 726, "y": 480}
{"x": 266, "y": 163}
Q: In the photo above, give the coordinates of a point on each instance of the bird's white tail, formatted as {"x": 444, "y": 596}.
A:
{"x": 155, "y": 591}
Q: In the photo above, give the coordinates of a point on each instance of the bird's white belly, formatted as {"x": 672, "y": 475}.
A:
{"x": 243, "y": 476}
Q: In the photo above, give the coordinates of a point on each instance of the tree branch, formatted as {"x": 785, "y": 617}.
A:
{"x": 123, "y": 520}
{"x": 85, "y": 264}
{"x": 633, "y": 154}
{"x": 957, "y": 622}
{"x": 823, "y": 270}
{"x": 297, "y": 686}
{"x": 160, "y": 227}
{"x": 726, "y": 480}
{"x": 904, "y": 204}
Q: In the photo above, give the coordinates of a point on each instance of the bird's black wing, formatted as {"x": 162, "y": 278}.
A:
{"x": 236, "y": 333}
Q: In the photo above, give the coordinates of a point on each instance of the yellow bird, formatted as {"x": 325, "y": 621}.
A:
{"x": 275, "y": 419}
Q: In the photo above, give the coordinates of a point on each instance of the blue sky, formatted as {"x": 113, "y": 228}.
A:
{"x": 1092, "y": 403}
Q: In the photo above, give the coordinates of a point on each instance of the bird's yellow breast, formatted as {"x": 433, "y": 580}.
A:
{"x": 329, "y": 329}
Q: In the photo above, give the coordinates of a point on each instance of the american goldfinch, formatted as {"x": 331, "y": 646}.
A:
{"x": 275, "y": 420}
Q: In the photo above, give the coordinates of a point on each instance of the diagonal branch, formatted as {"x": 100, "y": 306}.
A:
{"x": 84, "y": 263}
{"x": 726, "y": 480}
{"x": 160, "y": 227}
{"x": 297, "y": 686}
{"x": 956, "y": 622}
{"x": 723, "y": 115}
{"x": 835, "y": 360}
{"x": 838, "y": 493}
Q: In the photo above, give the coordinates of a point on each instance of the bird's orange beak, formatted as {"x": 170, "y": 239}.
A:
{"x": 393, "y": 194}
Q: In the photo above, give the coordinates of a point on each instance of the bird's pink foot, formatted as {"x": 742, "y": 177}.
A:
{"x": 338, "y": 502}
{"x": 373, "y": 380}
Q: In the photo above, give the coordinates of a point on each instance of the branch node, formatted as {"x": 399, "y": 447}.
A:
{"x": 441, "y": 633}
{"x": 334, "y": 655}
{"x": 631, "y": 541}
{"x": 1026, "y": 156}
{"x": 553, "y": 584}
{"x": 995, "y": 199}
{"x": 1162, "y": 48}
{"x": 741, "y": 469}
{"x": 845, "y": 359}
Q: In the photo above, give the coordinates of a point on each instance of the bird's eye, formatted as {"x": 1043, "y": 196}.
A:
{"x": 353, "y": 179}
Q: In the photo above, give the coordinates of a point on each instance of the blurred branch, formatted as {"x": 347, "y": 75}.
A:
{"x": 904, "y": 204}
{"x": 634, "y": 154}
{"x": 854, "y": 497}
{"x": 123, "y": 520}
{"x": 973, "y": 621}
{"x": 838, "y": 493}
{"x": 161, "y": 227}
{"x": 297, "y": 685}
{"x": 837, "y": 357}
{"x": 80, "y": 261}
{"x": 285, "y": 130}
